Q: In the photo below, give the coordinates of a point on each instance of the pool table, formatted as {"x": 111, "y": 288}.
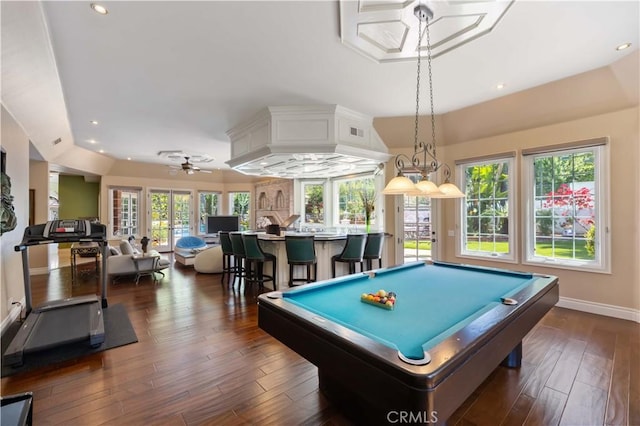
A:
{"x": 451, "y": 325}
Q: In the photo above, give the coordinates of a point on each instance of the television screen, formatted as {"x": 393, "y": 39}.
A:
{"x": 216, "y": 224}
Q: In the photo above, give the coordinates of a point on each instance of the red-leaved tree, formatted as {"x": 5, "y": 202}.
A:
{"x": 573, "y": 201}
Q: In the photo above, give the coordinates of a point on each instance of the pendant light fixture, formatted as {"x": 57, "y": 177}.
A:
{"x": 423, "y": 160}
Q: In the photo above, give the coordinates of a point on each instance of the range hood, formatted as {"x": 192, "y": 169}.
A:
{"x": 317, "y": 141}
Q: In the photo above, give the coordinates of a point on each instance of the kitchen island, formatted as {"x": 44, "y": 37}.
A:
{"x": 326, "y": 244}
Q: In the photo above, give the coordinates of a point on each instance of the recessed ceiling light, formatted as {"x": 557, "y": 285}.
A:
{"x": 94, "y": 122}
{"x": 101, "y": 151}
{"x": 623, "y": 46}
{"x": 500, "y": 86}
{"x": 129, "y": 158}
{"x": 99, "y": 8}
{"x": 92, "y": 141}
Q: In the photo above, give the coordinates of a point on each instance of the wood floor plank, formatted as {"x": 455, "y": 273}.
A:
{"x": 618, "y": 401}
{"x": 201, "y": 359}
{"x": 547, "y": 409}
{"x": 595, "y": 370}
{"x": 541, "y": 374}
{"x": 519, "y": 411}
{"x": 601, "y": 342}
{"x": 634, "y": 378}
{"x": 564, "y": 373}
{"x": 585, "y": 406}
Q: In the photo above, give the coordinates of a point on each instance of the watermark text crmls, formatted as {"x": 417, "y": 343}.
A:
{"x": 412, "y": 417}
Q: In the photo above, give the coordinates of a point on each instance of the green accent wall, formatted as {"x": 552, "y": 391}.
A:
{"x": 77, "y": 198}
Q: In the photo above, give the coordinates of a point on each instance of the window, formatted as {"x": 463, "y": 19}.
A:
{"x": 487, "y": 218}
{"x": 355, "y": 200}
{"x": 567, "y": 210}
{"x": 341, "y": 204}
{"x": 123, "y": 211}
{"x": 313, "y": 196}
{"x": 207, "y": 206}
{"x": 240, "y": 203}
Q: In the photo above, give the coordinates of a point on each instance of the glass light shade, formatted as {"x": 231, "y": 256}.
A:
{"x": 427, "y": 187}
{"x": 448, "y": 190}
{"x": 415, "y": 192}
{"x": 399, "y": 185}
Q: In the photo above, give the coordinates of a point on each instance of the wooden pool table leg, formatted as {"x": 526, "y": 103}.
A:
{"x": 514, "y": 359}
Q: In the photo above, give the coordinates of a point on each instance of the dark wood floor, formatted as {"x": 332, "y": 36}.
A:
{"x": 201, "y": 359}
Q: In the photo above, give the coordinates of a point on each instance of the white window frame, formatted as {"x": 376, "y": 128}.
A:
{"x": 218, "y": 194}
{"x": 378, "y": 210}
{"x": 461, "y": 249}
{"x": 138, "y": 193}
{"x": 601, "y": 263}
{"x": 302, "y": 204}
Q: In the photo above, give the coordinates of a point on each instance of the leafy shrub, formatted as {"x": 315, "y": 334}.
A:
{"x": 590, "y": 240}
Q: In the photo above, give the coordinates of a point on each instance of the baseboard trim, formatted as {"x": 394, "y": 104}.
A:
{"x": 13, "y": 315}
{"x": 600, "y": 309}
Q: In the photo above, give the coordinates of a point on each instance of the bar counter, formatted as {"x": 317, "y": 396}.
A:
{"x": 327, "y": 245}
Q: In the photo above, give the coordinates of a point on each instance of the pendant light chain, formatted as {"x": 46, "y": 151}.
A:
{"x": 424, "y": 158}
{"x": 415, "y": 138}
{"x": 433, "y": 117}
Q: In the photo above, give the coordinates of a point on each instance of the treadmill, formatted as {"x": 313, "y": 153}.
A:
{"x": 64, "y": 321}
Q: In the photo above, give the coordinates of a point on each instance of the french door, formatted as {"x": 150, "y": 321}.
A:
{"x": 169, "y": 217}
{"x": 419, "y": 232}
{"x": 415, "y": 227}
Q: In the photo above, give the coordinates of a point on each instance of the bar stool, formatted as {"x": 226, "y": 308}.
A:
{"x": 255, "y": 256}
{"x": 241, "y": 268}
{"x": 373, "y": 249}
{"x": 352, "y": 253}
{"x": 228, "y": 262}
{"x": 301, "y": 250}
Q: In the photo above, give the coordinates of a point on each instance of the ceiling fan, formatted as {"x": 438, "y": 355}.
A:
{"x": 189, "y": 168}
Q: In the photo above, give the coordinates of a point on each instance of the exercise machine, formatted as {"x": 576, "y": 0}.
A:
{"x": 64, "y": 321}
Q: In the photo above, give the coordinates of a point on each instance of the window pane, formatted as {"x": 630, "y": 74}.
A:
{"x": 486, "y": 216}
{"x": 565, "y": 212}
{"x": 314, "y": 203}
{"x": 356, "y": 201}
{"x": 240, "y": 203}
{"x": 207, "y": 206}
{"x": 124, "y": 212}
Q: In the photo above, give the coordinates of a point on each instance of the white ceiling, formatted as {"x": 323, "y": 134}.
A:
{"x": 174, "y": 75}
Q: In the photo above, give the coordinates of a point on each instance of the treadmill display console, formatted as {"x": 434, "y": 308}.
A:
{"x": 67, "y": 228}
{"x": 63, "y": 231}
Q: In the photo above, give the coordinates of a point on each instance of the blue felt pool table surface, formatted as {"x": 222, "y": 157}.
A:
{"x": 433, "y": 301}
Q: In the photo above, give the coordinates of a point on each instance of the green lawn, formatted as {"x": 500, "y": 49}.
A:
{"x": 422, "y": 245}
{"x": 563, "y": 248}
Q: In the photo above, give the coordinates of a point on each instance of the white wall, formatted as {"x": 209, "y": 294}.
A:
{"x": 16, "y": 143}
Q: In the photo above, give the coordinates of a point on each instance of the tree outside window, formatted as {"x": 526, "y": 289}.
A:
{"x": 240, "y": 202}
{"x": 314, "y": 202}
{"x": 208, "y": 206}
{"x": 355, "y": 198}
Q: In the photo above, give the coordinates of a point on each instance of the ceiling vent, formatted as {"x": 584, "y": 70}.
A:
{"x": 306, "y": 141}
